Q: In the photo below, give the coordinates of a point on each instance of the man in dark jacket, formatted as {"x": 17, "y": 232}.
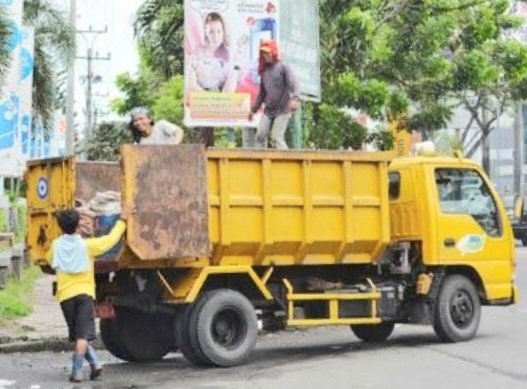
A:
{"x": 280, "y": 94}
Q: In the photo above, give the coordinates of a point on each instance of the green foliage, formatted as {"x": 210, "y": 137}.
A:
{"x": 15, "y": 299}
{"x": 169, "y": 102}
{"x": 382, "y": 140}
{"x": 382, "y": 57}
{"x": 336, "y": 130}
{"x": 106, "y": 141}
{"x": 138, "y": 92}
{"x": 54, "y": 49}
{"x": 3, "y": 220}
{"x": 159, "y": 28}
{"x": 5, "y": 59}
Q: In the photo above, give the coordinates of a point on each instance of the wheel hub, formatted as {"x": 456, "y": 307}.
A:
{"x": 226, "y": 328}
{"x": 462, "y": 309}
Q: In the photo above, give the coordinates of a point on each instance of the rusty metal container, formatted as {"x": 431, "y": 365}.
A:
{"x": 228, "y": 207}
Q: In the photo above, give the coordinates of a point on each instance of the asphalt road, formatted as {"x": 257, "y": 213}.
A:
{"x": 321, "y": 358}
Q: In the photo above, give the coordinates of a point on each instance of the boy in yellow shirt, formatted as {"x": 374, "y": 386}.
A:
{"x": 72, "y": 258}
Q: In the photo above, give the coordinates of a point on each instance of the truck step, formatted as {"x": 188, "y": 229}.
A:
{"x": 338, "y": 306}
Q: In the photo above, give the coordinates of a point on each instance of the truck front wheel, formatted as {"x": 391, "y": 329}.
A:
{"x": 225, "y": 328}
{"x": 457, "y": 310}
{"x": 373, "y": 333}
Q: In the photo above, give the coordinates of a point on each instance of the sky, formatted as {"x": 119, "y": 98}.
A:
{"x": 118, "y": 42}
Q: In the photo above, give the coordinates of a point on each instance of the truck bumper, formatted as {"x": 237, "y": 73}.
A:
{"x": 513, "y": 299}
{"x": 515, "y": 294}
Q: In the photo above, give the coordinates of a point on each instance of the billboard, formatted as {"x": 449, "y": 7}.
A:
{"x": 222, "y": 39}
{"x": 27, "y": 63}
{"x": 300, "y": 44}
{"x": 9, "y": 96}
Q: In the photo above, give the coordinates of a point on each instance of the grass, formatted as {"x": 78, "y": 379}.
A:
{"x": 15, "y": 299}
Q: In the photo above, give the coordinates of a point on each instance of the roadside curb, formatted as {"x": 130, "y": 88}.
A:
{"x": 26, "y": 345}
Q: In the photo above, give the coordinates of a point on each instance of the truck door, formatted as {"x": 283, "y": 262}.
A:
{"x": 470, "y": 225}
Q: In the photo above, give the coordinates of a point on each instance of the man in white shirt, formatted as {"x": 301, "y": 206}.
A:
{"x": 147, "y": 132}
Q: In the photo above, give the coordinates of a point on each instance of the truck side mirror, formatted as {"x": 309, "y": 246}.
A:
{"x": 519, "y": 204}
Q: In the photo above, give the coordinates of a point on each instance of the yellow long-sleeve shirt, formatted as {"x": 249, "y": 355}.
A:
{"x": 71, "y": 285}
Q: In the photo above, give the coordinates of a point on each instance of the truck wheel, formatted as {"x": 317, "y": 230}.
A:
{"x": 373, "y": 333}
{"x": 187, "y": 338}
{"x": 226, "y": 327}
{"x": 112, "y": 341}
{"x": 457, "y": 310}
{"x": 524, "y": 241}
{"x": 146, "y": 337}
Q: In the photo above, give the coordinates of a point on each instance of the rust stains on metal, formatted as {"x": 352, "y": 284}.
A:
{"x": 92, "y": 177}
{"x": 167, "y": 185}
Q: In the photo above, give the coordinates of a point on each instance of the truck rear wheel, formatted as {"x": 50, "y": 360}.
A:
{"x": 225, "y": 328}
{"x": 457, "y": 311}
{"x": 112, "y": 341}
{"x": 373, "y": 333}
{"x": 138, "y": 336}
{"x": 147, "y": 337}
{"x": 187, "y": 338}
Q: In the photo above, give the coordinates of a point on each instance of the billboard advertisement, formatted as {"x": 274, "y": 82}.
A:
{"x": 9, "y": 96}
{"x": 27, "y": 63}
{"x": 300, "y": 44}
{"x": 222, "y": 39}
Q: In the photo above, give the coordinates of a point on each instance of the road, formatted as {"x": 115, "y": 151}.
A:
{"x": 321, "y": 358}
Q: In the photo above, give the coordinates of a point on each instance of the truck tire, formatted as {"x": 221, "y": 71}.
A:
{"x": 524, "y": 240}
{"x": 112, "y": 341}
{"x": 186, "y": 335}
{"x": 457, "y": 310}
{"x": 373, "y": 333}
{"x": 226, "y": 327}
{"x": 146, "y": 337}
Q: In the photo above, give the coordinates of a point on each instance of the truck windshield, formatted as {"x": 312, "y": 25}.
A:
{"x": 464, "y": 191}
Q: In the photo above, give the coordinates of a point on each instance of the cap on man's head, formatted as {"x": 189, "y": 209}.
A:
{"x": 139, "y": 111}
{"x": 268, "y": 46}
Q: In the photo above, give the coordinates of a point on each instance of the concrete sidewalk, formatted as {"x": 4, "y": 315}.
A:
{"x": 44, "y": 326}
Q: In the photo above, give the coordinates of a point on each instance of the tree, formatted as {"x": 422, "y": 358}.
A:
{"x": 5, "y": 59}
{"x": 424, "y": 58}
{"x": 138, "y": 91}
{"x": 106, "y": 141}
{"x": 170, "y": 100}
{"x": 54, "y": 44}
{"x": 159, "y": 28}
{"x": 387, "y": 58}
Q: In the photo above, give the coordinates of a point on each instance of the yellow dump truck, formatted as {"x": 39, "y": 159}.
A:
{"x": 222, "y": 242}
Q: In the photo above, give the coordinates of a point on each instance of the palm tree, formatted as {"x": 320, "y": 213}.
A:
{"x": 159, "y": 28}
{"x": 54, "y": 43}
{"x": 5, "y": 58}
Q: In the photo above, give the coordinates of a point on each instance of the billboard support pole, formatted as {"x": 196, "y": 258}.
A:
{"x": 297, "y": 135}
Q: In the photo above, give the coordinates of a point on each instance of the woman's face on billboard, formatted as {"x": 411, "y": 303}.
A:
{"x": 214, "y": 33}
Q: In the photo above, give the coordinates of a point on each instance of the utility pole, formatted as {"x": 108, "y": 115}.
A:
{"x": 518, "y": 148}
{"x": 90, "y": 57}
{"x": 70, "y": 100}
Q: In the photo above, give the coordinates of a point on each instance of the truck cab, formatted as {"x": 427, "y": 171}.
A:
{"x": 450, "y": 210}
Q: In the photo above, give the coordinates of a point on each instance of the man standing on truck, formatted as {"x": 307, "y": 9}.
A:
{"x": 280, "y": 94}
{"x": 72, "y": 258}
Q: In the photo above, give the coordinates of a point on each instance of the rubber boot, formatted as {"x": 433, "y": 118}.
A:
{"x": 76, "y": 370}
{"x": 95, "y": 366}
